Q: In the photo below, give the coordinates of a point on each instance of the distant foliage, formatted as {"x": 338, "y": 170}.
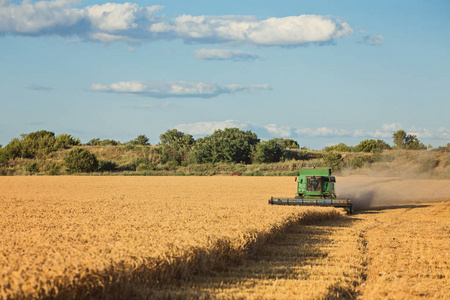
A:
{"x": 360, "y": 161}
{"x": 341, "y": 147}
{"x": 32, "y": 167}
{"x": 269, "y": 151}
{"x": 94, "y": 142}
{"x": 54, "y": 169}
{"x": 107, "y": 166}
{"x": 65, "y": 141}
{"x": 373, "y": 146}
{"x": 175, "y": 146}
{"x": 37, "y": 143}
{"x": 334, "y": 160}
{"x": 105, "y": 142}
{"x": 230, "y": 145}
{"x": 81, "y": 161}
{"x": 287, "y": 143}
{"x": 140, "y": 140}
{"x": 443, "y": 148}
{"x": 12, "y": 150}
{"x": 402, "y": 140}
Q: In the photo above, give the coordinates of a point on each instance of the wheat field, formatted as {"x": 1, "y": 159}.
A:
{"x": 75, "y": 237}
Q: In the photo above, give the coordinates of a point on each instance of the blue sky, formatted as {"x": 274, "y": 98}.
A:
{"x": 319, "y": 72}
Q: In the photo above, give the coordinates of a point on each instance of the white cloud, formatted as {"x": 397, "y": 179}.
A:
{"x": 223, "y": 54}
{"x": 323, "y": 131}
{"x": 39, "y": 17}
{"x": 205, "y": 128}
{"x": 444, "y": 133}
{"x": 175, "y": 88}
{"x": 386, "y": 131}
{"x": 283, "y": 131}
{"x": 287, "y": 31}
{"x": 391, "y": 127}
{"x": 130, "y": 23}
{"x": 420, "y": 132}
{"x": 268, "y": 131}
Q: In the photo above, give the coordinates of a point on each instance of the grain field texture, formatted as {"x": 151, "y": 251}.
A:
{"x": 217, "y": 238}
{"x": 76, "y": 237}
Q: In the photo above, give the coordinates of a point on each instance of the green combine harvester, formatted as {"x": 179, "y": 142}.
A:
{"x": 315, "y": 187}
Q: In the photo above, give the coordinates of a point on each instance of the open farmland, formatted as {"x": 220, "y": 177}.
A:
{"x": 140, "y": 237}
{"x": 78, "y": 236}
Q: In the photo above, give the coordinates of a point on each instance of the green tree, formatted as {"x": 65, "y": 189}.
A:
{"x": 94, "y": 142}
{"x": 269, "y": 151}
{"x": 65, "y": 141}
{"x": 407, "y": 141}
{"x": 105, "y": 142}
{"x": 413, "y": 143}
{"x": 140, "y": 140}
{"x": 399, "y": 139}
{"x": 12, "y": 150}
{"x": 341, "y": 147}
{"x": 81, "y": 160}
{"x": 334, "y": 160}
{"x": 373, "y": 146}
{"x": 230, "y": 145}
{"x": 37, "y": 143}
{"x": 287, "y": 143}
{"x": 175, "y": 145}
{"x": 109, "y": 142}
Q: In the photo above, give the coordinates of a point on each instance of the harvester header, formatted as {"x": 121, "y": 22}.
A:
{"x": 315, "y": 187}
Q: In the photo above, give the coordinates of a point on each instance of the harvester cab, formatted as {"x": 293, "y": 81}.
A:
{"x": 315, "y": 187}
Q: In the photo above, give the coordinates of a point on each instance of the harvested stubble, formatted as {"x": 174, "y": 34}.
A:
{"x": 78, "y": 237}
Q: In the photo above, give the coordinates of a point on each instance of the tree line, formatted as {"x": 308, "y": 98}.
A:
{"x": 229, "y": 145}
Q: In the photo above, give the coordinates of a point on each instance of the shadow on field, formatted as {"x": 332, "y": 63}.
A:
{"x": 379, "y": 209}
{"x": 280, "y": 253}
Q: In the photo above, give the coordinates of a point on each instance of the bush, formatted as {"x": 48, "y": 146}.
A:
{"x": 341, "y": 147}
{"x": 64, "y": 141}
{"x": 334, "y": 161}
{"x": 4, "y": 158}
{"x": 230, "y": 145}
{"x": 287, "y": 143}
{"x": 54, "y": 169}
{"x": 106, "y": 166}
{"x": 81, "y": 160}
{"x": 269, "y": 151}
{"x": 106, "y": 142}
{"x": 140, "y": 140}
{"x": 373, "y": 146}
{"x": 32, "y": 167}
{"x": 38, "y": 143}
{"x": 175, "y": 146}
{"x": 12, "y": 150}
{"x": 407, "y": 141}
{"x": 357, "y": 162}
{"x": 94, "y": 142}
